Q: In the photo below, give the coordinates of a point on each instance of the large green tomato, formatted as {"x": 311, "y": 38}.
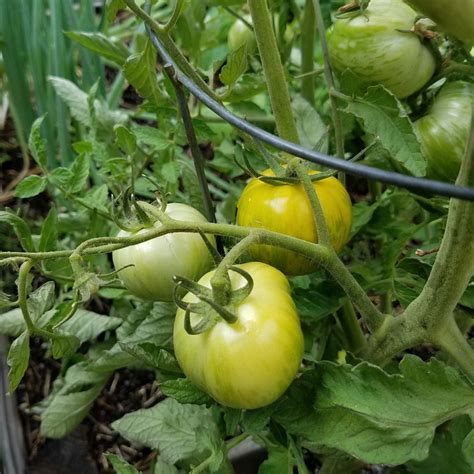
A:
{"x": 453, "y": 16}
{"x": 374, "y": 49}
{"x": 240, "y": 34}
{"x": 444, "y": 130}
{"x": 286, "y": 209}
{"x": 250, "y": 363}
{"x": 156, "y": 261}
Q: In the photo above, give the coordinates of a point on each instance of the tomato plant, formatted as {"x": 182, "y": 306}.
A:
{"x": 444, "y": 129}
{"x": 147, "y": 269}
{"x": 250, "y": 363}
{"x": 379, "y": 48}
{"x": 286, "y": 209}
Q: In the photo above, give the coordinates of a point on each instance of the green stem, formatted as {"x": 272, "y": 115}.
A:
{"x": 326, "y": 257}
{"x": 372, "y": 316}
{"x": 273, "y": 70}
{"x": 170, "y": 46}
{"x": 320, "y": 221}
{"x": 174, "y": 16}
{"x": 429, "y": 317}
{"x": 451, "y": 340}
{"x": 23, "y": 294}
{"x": 220, "y": 281}
{"x": 328, "y": 73}
{"x": 308, "y": 28}
{"x": 352, "y": 330}
{"x": 232, "y": 443}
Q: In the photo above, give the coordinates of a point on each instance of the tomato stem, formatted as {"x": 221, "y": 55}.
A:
{"x": 23, "y": 294}
{"x": 273, "y": 70}
{"x": 308, "y": 27}
{"x": 352, "y": 330}
{"x": 329, "y": 75}
{"x": 319, "y": 220}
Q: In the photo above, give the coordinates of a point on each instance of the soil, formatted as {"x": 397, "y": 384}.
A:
{"x": 83, "y": 450}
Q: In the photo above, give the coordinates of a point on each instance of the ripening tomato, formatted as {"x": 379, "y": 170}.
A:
{"x": 250, "y": 363}
{"x": 453, "y": 16}
{"x": 374, "y": 49}
{"x": 156, "y": 261}
{"x": 286, "y": 209}
{"x": 444, "y": 130}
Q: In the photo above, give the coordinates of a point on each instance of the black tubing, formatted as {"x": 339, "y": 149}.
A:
{"x": 418, "y": 185}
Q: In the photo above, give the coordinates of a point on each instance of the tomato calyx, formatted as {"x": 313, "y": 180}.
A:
{"x": 207, "y": 307}
{"x": 131, "y": 215}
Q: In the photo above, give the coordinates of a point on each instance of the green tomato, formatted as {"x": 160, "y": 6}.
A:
{"x": 453, "y": 16}
{"x": 374, "y": 49}
{"x": 156, "y": 261}
{"x": 250, "y": 363}
{"x": 286, "y": 209}
{"x": 240, "y": 34}
{"x": 444, "y": 130}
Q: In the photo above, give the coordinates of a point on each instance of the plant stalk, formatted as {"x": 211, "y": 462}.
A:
{"x": 273, "y": 70}
{"x": 308, "y": 29}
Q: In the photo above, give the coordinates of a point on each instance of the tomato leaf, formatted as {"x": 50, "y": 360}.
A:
{"x": 41, "y": 300}
{"x": 184, "y": 391}
{"x": 37, "y": 144}
{"x": 384, "y": 117}
{"x": 236, "y": 65}
{"x": 446, "y": 452}
{"x": 113, "y": 7}
{"x": 179, "y": 432}
{"x": 383, "y": 419}
{"x": 64, "y": 344}
{"x": 72, "y": 397}
{"x": 140, "y": 71}
{"x": 100, "y": 44}
{"x": 49, "y": 231}
{"x": 312, "y": 131}
{"x": 153, "y": 356}
{"x": 31, "y": 186}
{"x": 21, "y": 228}
{"x": 79, "y": 173}
{"x": 18, "y": 358}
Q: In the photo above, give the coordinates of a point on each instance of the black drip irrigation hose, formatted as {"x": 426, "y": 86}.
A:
{"x": 417, "y": 185}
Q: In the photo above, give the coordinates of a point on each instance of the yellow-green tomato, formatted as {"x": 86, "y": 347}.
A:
{"x": 287, "y": 209}
{"x": 240, "y": 34}
{"x": 156, "y": 261}
{"x": 444, "y": 130}
{"x": 375, "y": 49}
{"x": 249, "y": 363}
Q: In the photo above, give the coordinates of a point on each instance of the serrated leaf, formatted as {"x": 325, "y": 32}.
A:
{"x": 21, "y": 228}
{"x": 171, "y": 171}
{"x": 37, "y": 144}
{"x": 140, "y": 71}
{"x": 184, "y": 391}
{"x": 279, "y": 461}
{"x": 120, "y": 465}
{"x": 71, "y": 403}
{"x": 41, "y": 300}
{"x": 101, "y": 45}
{"x": 236, "y": 66}
{"x": 384, "y": 117}
{"x": 75, "y": 98}
{"x": 49, "y": 231}
{"x": 162, "y": 467}
{"x": 17, "y": 360}
{"x": 446, "y": 454}
{"x": 382, "y": 419}
{"x": 31, "y": 186}
{"x": 362, "y": 213}
{"x": 178, "y": 431}
{"x": 61, "y": 177}
{"x": 79, "y": 173}
{"x": 125, "y": 139}
{"x": 312, "y": 131}
{"x": 96, "y": 198}
{"x": 153, "y": 356}
{"x": 12, "y": 323}
{"x": 64, "y": 344}
{"x": 152, "y": 137}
